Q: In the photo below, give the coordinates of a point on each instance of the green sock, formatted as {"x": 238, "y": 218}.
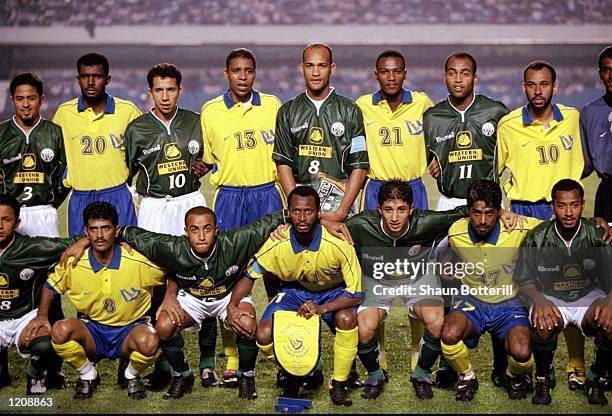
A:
{"x": 173, "y": 349}
{"x": 162, "y": 364}
{"x": 247, "y": 354}
{"x": 42, "y": 356}
{"x": 430, "y": 351}
{"x": 601, "y": 357}
{"x": 368, "y": 354}
{"x": 543, "y": 354}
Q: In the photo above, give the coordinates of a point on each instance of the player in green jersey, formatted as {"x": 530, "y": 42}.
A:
{"x": 564, "y": 270}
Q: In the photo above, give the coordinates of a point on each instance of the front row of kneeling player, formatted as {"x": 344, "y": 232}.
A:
{"x": 321, "y": 275}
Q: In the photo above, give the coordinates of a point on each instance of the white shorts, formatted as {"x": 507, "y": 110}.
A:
{"x": 39, "y": 220}
{"x": 167, "y": 215}
{"x": 445, "y": 203}
{"x": 377, "y": 293}
{"x": 11, "y": 329}
{"x": 202, "y": 309}
{"x": 573, "y": 312}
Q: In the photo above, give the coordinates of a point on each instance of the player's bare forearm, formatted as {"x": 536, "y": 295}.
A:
{"x": 45, "y": 303}
{"x": 285, "y": 178}
{"x": 172, "y": 288}
{"x": 343, "y": 302}
{"x": 242, "y": 289}
{"x": 353, "y": 186}
{"x": 531, "y": 292}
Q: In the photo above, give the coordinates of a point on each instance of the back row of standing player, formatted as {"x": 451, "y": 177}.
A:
{"x": 319, "y": 137}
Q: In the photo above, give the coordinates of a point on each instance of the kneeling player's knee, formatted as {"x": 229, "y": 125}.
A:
{"x": 60, "y": 332}
{"x": 264, "y": 332}
{"x": 521, "y": 352}
{"x": 164, "y": 327}
{"x": 345, "y": 319}
{"x": 366, "y": 334}
{"x": 434, "y": 327}
{"x": 149, "y": 344}
{"x": 450, "y": 335}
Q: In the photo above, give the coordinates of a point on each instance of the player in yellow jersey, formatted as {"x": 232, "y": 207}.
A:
{"x": 93, "y": 126}
{"x": 482, "y": 243}
{"x": 112, "y": 288}
{"x": 393, "y": 121}
{"x": 540, "y": 144}
{"x": 320, "y": 275}
{"x": 238, "y": 129}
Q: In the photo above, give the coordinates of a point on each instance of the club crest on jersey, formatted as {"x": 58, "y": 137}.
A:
{"x": 588, "y": 264}
{"x": 26, "y": 274}
{"x": 47, "y": 154}
{"x": 28, "y": 162}
{"x": 316, "y": 135}
{"x": 567, "y": 142}
{"x": 414, "y": 250}
{"x": 571, "y": 271}
{"x": 464, "y": 139}
{"x": 171, "y": 151}
{"x": 193, "y": 147}
{"x": 337, "y": 129}
{"x": 207, "y": 283}
{"x": 268, "y": 136}
{"x": 488, "y": 129}
{"x": 3, "y": 280}
{"x": 415, "y": 128}
{"x": 233, "y": 269}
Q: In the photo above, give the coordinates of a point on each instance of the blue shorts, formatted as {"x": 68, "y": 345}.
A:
{"x": 290, "y": 298}
{"x": 119, "y": 196}
{"x": 419, "y": 194}
{"x": 496, "y": 318}
{"x": 540, "y": 210}
{"x": 236, "y": 206}
{"x": 109, "y": 339}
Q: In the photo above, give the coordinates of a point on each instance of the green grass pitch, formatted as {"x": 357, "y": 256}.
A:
{"x": 398, "y": 396}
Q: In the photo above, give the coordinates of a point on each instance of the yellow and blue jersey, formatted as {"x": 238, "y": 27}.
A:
{"x": 495, "y": 254}
{"x": 327, "y": 263}
{"x": 239, "y": 139}
{"x": 117, "y": 294}
{"x": 395, "y": 141}
{"x": 538, "y": 157}
{"x": 95, "y": 152}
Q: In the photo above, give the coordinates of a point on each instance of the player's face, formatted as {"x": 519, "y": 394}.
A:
{"x": 8, "y": 224}
{"x": 390, "y": 74}
{"x": 202, "y": 232}
{"x": 568, "y": 206}
{"x": 93, "y": 81}
{"x": 240, "y": 76}
{"x": 317, "y": 69}
{"x": 101, "y": 234}
{"x": 605, "y": 74}
{"x": 165, "y": 94}
{"x": 539, "y": 88}
{"x": 303, "y": 213}
{"x": 395, "y": 214}
{"x": 460, "y": 78}
{"x": 27, "y": 102}
{"x": 483, "y": 218}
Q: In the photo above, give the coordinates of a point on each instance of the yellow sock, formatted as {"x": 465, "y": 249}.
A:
{"x": 345, "y": 351}
{"x": 140, "y": 362}
{"x": 382, "y": 353}
{"x": 267, "y": 350}
{"x": 416, "y": 335}
{"x": 71, "y": 352}
{"x": 229, "y": 348}
{"x": 457, "y": 355}
{"x": 516, "y": 369}
{"x": 575, "y": 349}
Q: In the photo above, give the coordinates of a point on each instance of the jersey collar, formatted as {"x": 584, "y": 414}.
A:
{"x": 314, "y": 245}
{"x": 527, "y": 120}
{"x": 406, "y": 97}
{"x": 491, "y": 239}
{"x": 568, "y": 244}
{"x": 27, "y": 135}
{"x": 229, "y": 103}
{"x": 9, "y": 244}
{"x": 114, "y": 263}
{"x": 109, "y": 108}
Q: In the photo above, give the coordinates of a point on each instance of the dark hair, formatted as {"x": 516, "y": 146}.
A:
{"x": 164, "y": 70}
{"x": 92, "y": 59}
{"x": 566, "y": 185}
{"x": 484, "y": 190}
{"x": 391, "y": 54}
{"x": 316, "y": 46}
{"x": 605, "y": 53}
{"x": 26, "y": 78}
{"x": 304, "y": 191}
{"x": 461, "y": 55}
{"x": 200, "y": 210}
{"x": 395, "y": 189}
{"x": 100, "y": 211}
{"x": 539, "y": 65}
{"x": 10, "y": 201}
{"x": 240, "y": 53}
